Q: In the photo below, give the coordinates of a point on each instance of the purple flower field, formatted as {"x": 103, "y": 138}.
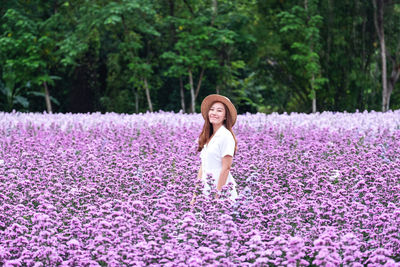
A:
{"x": 114, "y": 190}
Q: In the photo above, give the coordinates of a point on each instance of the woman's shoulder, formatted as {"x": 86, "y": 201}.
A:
{"x": 226, "y": 133}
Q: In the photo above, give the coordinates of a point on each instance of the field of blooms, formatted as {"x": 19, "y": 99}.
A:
{"x": 112, "y": 190}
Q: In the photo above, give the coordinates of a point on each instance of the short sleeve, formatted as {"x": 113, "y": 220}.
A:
{"x": 227, "y": 145}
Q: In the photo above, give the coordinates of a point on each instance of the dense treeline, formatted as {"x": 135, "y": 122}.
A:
{"x": 138, "y": 55}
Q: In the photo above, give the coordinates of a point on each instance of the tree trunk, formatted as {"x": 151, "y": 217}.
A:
{"x": 314, "y": 94}
{"x": 199, "y": 83}
{"x": 47, "y": 98}
{"x": 214, "y": 11}
{"x": 378, "y": 22}
{"x": 146, "y": 87}
{"x": 192, "y": 94}
{"x": 314, "y": 104}
{"x": 394, "y": 77}
{"x": 182, "y": 94}
{"x": 136, "y": 92}
{"x": 217, "y": 89}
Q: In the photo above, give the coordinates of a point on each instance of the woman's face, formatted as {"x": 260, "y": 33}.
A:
{"x": 217, "y": 113}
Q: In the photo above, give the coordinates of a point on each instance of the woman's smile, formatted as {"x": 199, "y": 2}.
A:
{"x": 217, "y": 113}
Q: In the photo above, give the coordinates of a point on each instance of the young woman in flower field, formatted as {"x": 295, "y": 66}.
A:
{"x": 217, "y": 143}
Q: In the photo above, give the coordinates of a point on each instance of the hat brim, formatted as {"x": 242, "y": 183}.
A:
{"x": 209, "y": 100}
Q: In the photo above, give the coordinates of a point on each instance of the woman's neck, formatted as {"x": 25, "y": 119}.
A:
{"x": 216, "y": 127}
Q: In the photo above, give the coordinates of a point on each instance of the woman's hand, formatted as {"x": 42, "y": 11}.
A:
{"x": 193, "y": 199}
{"x": 223, "y": 176}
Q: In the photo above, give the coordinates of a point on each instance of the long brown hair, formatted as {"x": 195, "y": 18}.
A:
{"x": 208, "y": 130}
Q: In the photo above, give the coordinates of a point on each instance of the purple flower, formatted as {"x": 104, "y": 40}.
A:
{"x": 110, "y": 189}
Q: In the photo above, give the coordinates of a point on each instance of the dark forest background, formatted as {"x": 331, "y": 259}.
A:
{"x": 131, "y": 56}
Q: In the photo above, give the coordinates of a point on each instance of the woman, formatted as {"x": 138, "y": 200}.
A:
{"x": 217, "y": 143}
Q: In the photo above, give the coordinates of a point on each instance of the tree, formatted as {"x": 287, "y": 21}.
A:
{"x": 231, "y": 41}
{"x": 304, "y": 22}
{"x": 206, "y": 42}
{"x": 28, "y": 53}
{"x": 136, "y": 19}
{"x": 387, "y": 84}
{"x": 347, "y": 56}
{"x": 137, "y": 55}
{"x": 191, "y": 53}
{"x": 119, "y": 34}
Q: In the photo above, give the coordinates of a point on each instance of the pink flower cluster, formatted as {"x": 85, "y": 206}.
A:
{"x": 112, "y": 190}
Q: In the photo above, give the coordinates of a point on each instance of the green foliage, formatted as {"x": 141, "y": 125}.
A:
{"x": 26, "y": 48}
{"x": 132, "y": 24}
{"x": 119, "y": 103}
{"x": 193, "y": 48}
{"x": 11, "y": 98}
{"x": 41, "y": 94}
{"x": 268, "y": 56}
{"x": 302, "y": 23}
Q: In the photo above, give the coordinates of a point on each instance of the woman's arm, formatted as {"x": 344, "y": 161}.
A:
{"x": 200, "y": 174}
{"x": 226, "y": 166}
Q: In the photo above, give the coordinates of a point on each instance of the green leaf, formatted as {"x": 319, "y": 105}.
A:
{"x": 113, "y": 19}
{"x": 23, "y": 101}
{"x": 41, "y": 94}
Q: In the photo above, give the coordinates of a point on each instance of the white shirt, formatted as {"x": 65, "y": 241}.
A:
{"x": 220, "y": 145}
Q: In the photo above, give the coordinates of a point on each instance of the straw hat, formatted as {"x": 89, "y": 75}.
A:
{"x": 209, "y": 100}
